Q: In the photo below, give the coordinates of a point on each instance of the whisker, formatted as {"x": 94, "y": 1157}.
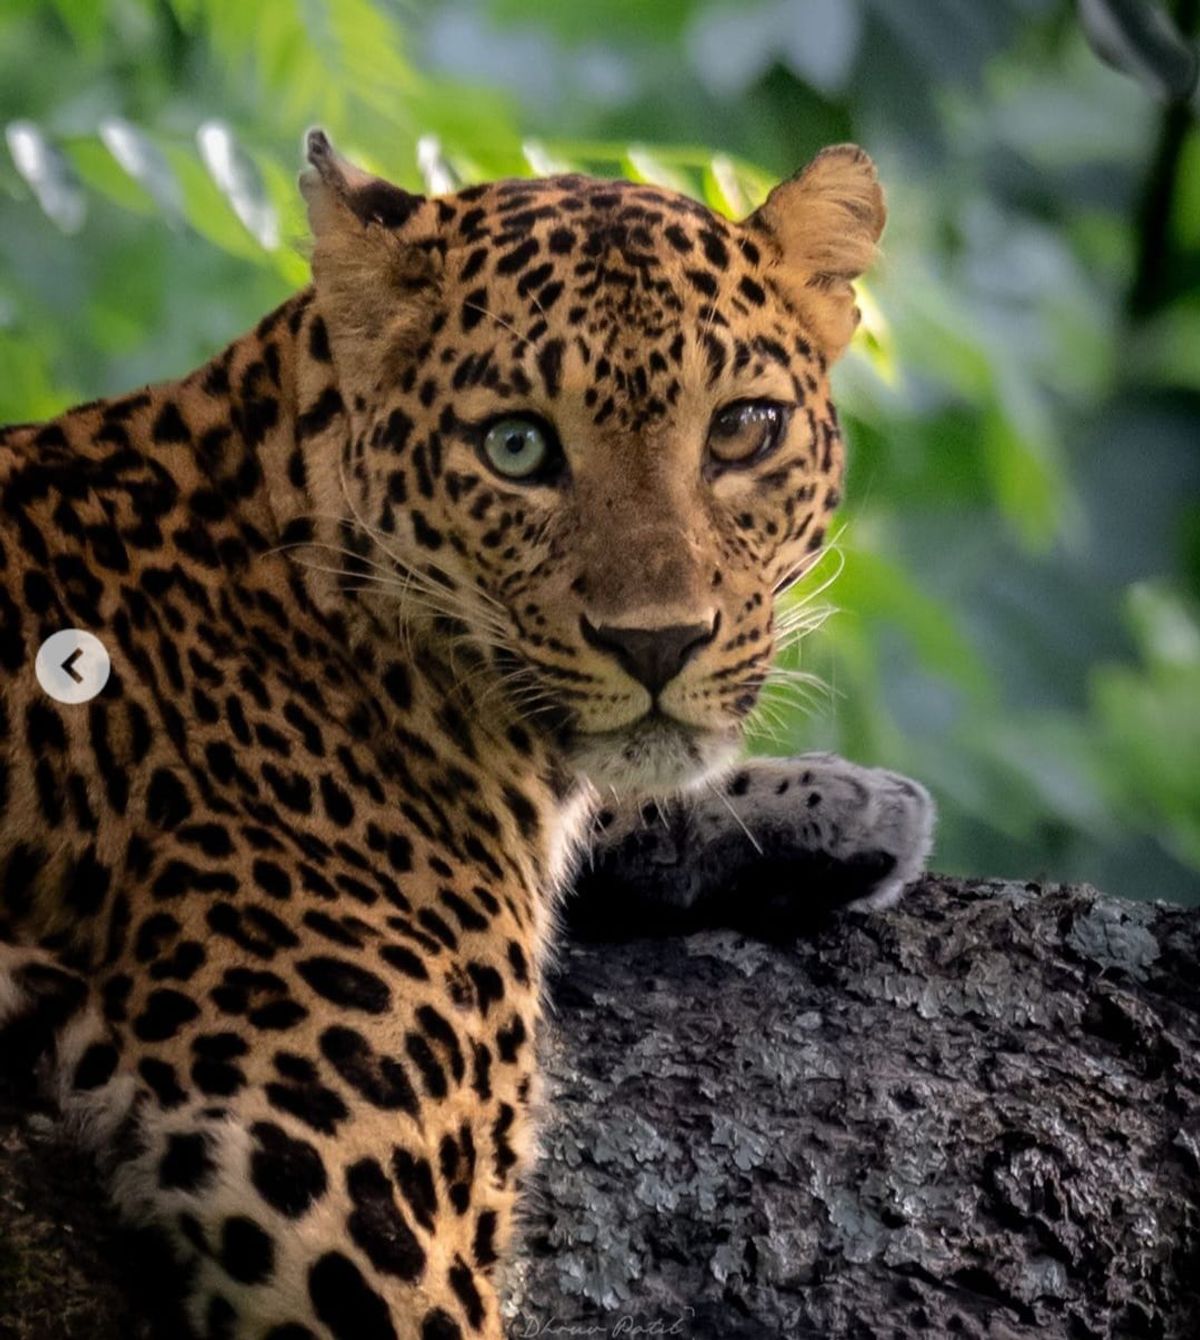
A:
{"x": 516, "y": 334}
{"x": 810, "y": 562}
{"x": 373, "y": 533}
{"x": 737, "y": 818}
{"x": 365, "y": 581}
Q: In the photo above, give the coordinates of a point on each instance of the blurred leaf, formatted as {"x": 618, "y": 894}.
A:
{"x": 1027, "y": 485}
{"x": 279, "y": 183}
{"x": 142, "y": 159}
{"x": 731, "y": 46}
{"x": 99, "y": 170}
{"x": 872, "y": 589}
{"x": 642, "y": 164}
{"x": 26, "y": 390}
{"x": 366, "y": 51}
{"x": 207, "y": 209}
{"x": 873, "y": 338}
{"x": 732, "y": 185}
{"x": 542, "y": 163}
{"x": 1076, "y": 112}
{"x": 237, "y": 178}
{"x": 1049, "y": 766}
{"x": 937, "y": 337}
{"x": 437, "y": 174}
{"x": 600, "y": 18}
{"x": 1165, "y": 627}
{"x": 48, "y": 174}
{"x": 723, "y": 190}
{"x": 1186, "y": 220}
{"x": 1151, "y": 720}
{"x": 85, "y": 19}
{"x": 949, "y": 38}
{"x": 820, "y": 39}
{"x": 1164, "y": 349}
{"x": 1141, "y": 40}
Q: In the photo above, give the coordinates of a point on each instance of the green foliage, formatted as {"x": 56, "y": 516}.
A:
{"x": 1149, "y": 720}
{"x": 1020, "y": 555}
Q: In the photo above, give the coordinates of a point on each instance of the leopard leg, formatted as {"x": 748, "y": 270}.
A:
{"x": 281, "y": 1242}
{"x": 279, "y": 1232}
{"x": 39, "y": 999}
{"x": 55, "y": 1044}
{"x": 282, "y": 1226}
{"x": 775, "y": 847}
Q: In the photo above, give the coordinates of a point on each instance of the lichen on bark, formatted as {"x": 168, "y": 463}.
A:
{"x": 975, "y": 1115}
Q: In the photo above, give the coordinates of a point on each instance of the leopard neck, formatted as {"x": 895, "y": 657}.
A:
{"x": 284, "y": 458}
{"x": 263, "y": 383}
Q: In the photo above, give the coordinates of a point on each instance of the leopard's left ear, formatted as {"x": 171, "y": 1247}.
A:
{"x": 823, "y": 225}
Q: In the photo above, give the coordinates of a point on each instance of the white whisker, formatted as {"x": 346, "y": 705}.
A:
{"x": 724, "y": 799}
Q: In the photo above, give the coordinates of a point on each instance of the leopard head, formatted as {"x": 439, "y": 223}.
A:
{"x": 591, "y": 421}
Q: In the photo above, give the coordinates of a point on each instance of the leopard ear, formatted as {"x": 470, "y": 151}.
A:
{"x": 376, "y": 251}
{"x": 823, "y": 225}
{"x": 338, "y": 193}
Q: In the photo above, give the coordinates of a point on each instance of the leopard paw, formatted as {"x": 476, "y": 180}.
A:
{"x": 857, "y": 836}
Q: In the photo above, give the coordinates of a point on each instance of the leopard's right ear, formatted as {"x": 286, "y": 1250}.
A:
{"x": 376, "y": 257}
{"x": 340, "y": 194}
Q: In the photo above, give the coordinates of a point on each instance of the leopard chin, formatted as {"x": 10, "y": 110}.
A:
{"x": 654, "y": 756}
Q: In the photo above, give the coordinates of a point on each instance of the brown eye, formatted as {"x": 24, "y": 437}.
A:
{"x": 745, "y": 431}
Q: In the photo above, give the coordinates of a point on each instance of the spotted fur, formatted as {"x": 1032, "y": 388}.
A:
{"x": 275, "y": 906}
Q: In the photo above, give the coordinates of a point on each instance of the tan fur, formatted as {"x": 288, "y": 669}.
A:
{"x": 374, "y": 280}
{"x": 826, "y": 222}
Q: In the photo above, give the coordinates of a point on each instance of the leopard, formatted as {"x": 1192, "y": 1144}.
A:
{"x": 456, "y": 577}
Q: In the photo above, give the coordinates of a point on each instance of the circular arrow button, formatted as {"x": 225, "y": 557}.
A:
{"x": 72, "y": 666}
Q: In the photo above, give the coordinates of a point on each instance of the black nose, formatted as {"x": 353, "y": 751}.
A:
{"x": 653, "y": 656}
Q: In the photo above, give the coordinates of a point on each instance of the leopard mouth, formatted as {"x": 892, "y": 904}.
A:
{"x": 654, "y": 755}
{"x": 654, "y": 730}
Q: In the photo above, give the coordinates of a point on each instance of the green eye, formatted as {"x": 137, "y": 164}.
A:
{"x": 518, "y": 447}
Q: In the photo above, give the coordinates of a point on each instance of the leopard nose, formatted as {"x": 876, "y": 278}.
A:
{"x": 653, "y": 656}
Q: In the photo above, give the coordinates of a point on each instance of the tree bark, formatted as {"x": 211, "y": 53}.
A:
{"x": 976, "y": 1115}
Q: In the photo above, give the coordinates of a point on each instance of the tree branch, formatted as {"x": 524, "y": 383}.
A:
{"x": 976, "y": 1115}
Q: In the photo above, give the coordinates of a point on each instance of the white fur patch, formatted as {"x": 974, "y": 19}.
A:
{"x": 654, "y": 758}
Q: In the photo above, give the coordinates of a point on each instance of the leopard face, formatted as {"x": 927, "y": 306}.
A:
{"x": 591, "y": 430}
